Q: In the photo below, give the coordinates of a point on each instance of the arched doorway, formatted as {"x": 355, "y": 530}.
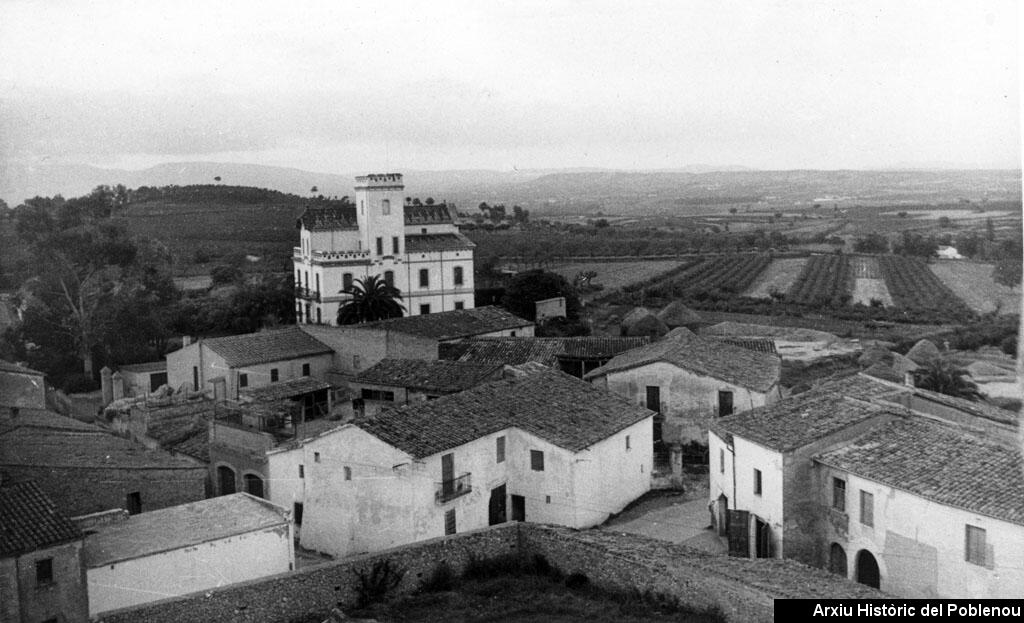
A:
{"x": 722, "y": 515}
{"x": 225, "y": 480}
{"x": 837, "y": 560}
{"x": 253, "y": 485}
{"x": 867, "y": 569}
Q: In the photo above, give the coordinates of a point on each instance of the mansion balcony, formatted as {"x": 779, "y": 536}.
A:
{"x": 330, "y": 256}
{"x": 306, "y": 294}
{"x": 448, "y": 490}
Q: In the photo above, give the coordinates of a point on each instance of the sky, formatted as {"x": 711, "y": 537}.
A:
{"x": 341, "y": 86}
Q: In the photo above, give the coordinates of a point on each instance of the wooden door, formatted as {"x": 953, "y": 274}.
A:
{"x": 518, "y": 508}
{"x": 496, "y": 508}
{"x": 724, "y": 403}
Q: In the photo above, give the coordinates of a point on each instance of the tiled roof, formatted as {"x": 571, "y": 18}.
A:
{"x": 451, "y": 325}
{"x": 941, "y": 463}
{"x": 423, "y": 243}
{"x": 552, "y": 405}
{"x": 266, "y": 346}
{"x": 444, "y": 376}
{"x": 326, "y": 218}
{"x": 95, "y": 449}
{"x": 7, "y": 366}
{"x": 29, "y": 520}
{"x": 47, "y": 420}
{"x": 801, "y": 419}
{"x": 746, "y": 368}
{"x": 547, "y": 350}
{"x": 195, "y": 445}
{"x": 181, "y": 526}
{"x": 756, "y": 344}
{"x": 286, "y": 389}
{"x": 149, "y": 366}
{"x": 427, "y": 215}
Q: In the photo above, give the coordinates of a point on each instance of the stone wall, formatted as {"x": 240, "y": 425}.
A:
{"x": 743, "y": 589}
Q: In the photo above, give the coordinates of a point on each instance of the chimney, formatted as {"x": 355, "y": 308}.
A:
{"x": 186, "y": 340}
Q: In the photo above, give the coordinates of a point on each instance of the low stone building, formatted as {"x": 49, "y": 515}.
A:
{"x": 393, "y": 382}
{"x": 42, "y": 577}
{"x": 185, "y": 549}
{"x": 85, "y": 469}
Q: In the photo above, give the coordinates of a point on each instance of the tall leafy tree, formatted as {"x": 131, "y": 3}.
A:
{"x": 528, "y": 287}
{"x": 372, "y": 299}
{"x": 943, "y": 376}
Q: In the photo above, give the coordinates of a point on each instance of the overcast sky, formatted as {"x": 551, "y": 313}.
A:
{"x": 335, "y": 86}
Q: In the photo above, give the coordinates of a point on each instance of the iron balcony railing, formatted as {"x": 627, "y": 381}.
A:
{"x": 451, "y": 489}
{"x": 307, "y": 294}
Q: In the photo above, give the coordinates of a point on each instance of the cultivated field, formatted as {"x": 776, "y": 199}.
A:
{"x": 916, "y": 288}
{"x": 614, "y": 275}
{"x": 825, "y": 280}
{"x": 868, "y": 284}
{"x": 778, "y": 277}
{"x": 714, "y": 277}
{"x": 972, "y": 282}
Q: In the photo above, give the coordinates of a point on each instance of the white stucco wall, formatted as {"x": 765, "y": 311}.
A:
{"x": 608, "y": 476}
{"x": 688, "y": 400}
{"x": 920, "y": 545}
{"x": 190, "y": 569}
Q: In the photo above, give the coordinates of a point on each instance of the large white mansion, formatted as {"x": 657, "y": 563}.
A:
{"x": 416, "y": 248}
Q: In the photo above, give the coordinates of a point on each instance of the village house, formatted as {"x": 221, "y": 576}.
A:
{"x": 138, "y": 379}
{"x": 540, "y": 446}
{"x": 393, "y": 382}
{"x": 361, "y": 346}
{"x": 21, "y": 387}
{"x": 572, "y": 355}
{"x": 415, "y": 248}
{"x": 131, "y": 560}
{"x": 688, "y": 381}
{"x": 85, "y": 469}
{"x": 228, "y": 365}
{"x": 885, "y": 484}
{"x": 42, "y": 577}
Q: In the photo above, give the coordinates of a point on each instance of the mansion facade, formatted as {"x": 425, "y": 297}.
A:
{"x": 416, "y": 248}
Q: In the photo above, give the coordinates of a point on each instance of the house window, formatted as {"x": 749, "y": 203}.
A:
{"x": 253, "y": 485}
{"x": 355, "y": 361}
{"x": 724, "y": 403}
{"x": 243, "y": 379}
{"x": 424, "y": 309}
{"x": 458, "y": 275}
{"x": 297, "y": 513}
{"x": 309, "y": 316}
{"x": 867, "y": 508}
{"x": 389, "y": 278}
{"x": 839, "y": 494}
{"x": 44, "y": 572}
{"x": 346, "y": 282}
{"x": 721, "y": 461}
{"x": 348, "y": 473}
{"x": 385, "y": 206}
{"x": 499, "y": 449}
{"x": 757, "y": 482}
{"x": 318, "y": 283}
{"x": 537, "y": 460}
{"x": 380, "y": 246}
{"x": 195, "y": 378}
{"x": 423, "y": 230}
{"x": 449, "y": 521}
{"x": 394, "y": 245}
{"x": 319, "y": 316}
{"x": 305, "y": 369}
{"x": 134, "y": 503}
{"x": 377, "y": 394}
{"x": 627, "y": 442}
{"x": 424, "y": 278}
{"x": 460, "y": 305}
{"x": 302, "y": 471}
{"x": 273, "y": 375}
{"x": 512, "y": 334}
{"x": 316, "y": 457}
{"x": 974, "y": 545}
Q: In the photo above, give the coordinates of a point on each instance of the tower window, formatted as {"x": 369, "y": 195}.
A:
{"x": 394, "y": 245}
{"x": 458, "y": 275}
{"x": 346, "y": 282}
{"x": 380, "y": 246}
{"x": 424, "y": 278}
{"x": 389, "y": 278}
{"x": 385, "y": 206}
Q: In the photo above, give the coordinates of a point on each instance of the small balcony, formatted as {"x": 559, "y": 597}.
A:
{"x": 306, "y": 294}
{"x": 448, "y": 490}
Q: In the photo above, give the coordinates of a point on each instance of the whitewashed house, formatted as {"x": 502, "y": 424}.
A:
{"x": 689, "y": 380}
{"x": 542, "y": 447}
{"x": 416, "y": 248}
{"x": 394, "y": 382}
{"x": 184, "y": 549}
{"x": 895, "y": 487}
{"x": 250, "y": 360}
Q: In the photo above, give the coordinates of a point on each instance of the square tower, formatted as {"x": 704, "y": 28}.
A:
{"x": 380, "y": 214}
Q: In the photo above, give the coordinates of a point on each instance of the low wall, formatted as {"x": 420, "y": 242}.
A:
{"x": 743, "y": 589}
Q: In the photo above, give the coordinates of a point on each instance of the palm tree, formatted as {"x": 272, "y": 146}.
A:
{"x": 372, "y": 299}
{"x": 943, "y": 376}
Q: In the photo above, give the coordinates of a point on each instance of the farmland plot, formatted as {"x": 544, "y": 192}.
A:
{"x": 916, "y": 288}
{"x": 614, "y": 275}
{"x": 825, "y": 280}
{"x": 716, "y": 277}
{"x": 779, "y": 277}
{"x": 868, "y": 284}
{"x": 972, "y": 282}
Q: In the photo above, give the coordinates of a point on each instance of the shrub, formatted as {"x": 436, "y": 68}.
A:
{"x": 376, "y": 582}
